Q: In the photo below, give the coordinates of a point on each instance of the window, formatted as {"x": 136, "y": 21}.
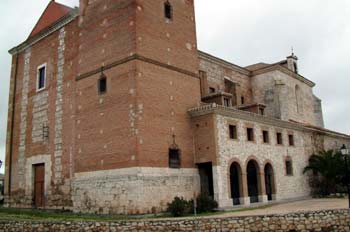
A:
{"x": 279, "y": 138}
{"x": 261, "y": 111}
{"x": 295, "y": 67}
{"x": 233, "y": 131}
{"x": 242, "y": 100}
{"x": 211, "y": 90}
{"x": 289, "y": 168}
{"x": 250, "y": 134}
{"x": 168, "y": 11}
{"x": 226, "y": 102}
{"x": 41, "y": 80}
{"x": 291, "y": 140}
{"x": 102, "y": 85}
{"x": 174, "y": 158}
{"x": 266, "y": 138}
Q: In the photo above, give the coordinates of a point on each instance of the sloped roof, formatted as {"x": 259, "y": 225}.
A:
{"x": 257, "y": 66}
{"x": 53, "y": 12}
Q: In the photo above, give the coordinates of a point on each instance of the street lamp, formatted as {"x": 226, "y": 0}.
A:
{"x": 345, "y": 152}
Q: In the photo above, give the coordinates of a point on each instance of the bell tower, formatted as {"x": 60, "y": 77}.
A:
{"x": 146, "y": 52}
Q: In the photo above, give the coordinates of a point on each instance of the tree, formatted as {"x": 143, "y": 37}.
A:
{"x": 329, "y": 171}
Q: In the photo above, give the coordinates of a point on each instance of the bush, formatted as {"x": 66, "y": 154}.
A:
{"x": 206, "y": 204}
{"x": 179, "y": 207}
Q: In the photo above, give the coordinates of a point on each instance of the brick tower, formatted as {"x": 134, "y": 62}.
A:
{"x": 136, "y": 128}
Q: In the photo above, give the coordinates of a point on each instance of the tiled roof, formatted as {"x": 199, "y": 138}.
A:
{"x": 53, "y": 12}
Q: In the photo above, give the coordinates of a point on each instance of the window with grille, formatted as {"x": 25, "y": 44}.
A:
{"x": 174, "y": 158}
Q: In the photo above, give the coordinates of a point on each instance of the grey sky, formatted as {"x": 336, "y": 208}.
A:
{"x": 241, "y": 31}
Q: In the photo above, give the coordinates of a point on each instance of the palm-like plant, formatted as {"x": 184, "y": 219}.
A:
{"x": 330, "y": 168}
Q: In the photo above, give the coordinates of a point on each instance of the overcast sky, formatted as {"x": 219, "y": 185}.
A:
{"x": 241, "y": 31}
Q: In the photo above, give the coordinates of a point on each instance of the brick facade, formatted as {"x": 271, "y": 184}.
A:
{"x": 109, "y": 152}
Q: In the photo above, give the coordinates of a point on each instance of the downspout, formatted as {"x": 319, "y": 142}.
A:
{"x": 12, "y": 125}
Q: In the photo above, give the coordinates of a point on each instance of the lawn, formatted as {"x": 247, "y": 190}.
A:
{"x": 56, "y": 215}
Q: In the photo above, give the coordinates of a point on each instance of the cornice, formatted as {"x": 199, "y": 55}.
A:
{"x": 240, "y": 114}
{"x": 211, "y": 58}
{"x": 47, "y": 31}
{"x": 140, "y": 58}
{"x": 245, "y": 115}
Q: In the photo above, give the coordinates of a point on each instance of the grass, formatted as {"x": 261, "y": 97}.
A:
{"x": 55, "y": 215}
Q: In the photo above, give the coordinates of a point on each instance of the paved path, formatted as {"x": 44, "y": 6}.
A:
{"x": 291, "y": 207}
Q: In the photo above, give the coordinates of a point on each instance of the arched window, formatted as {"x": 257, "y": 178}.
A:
{"x": 298, "y": 98}
{"x": 168, "y": 10}
{"x": 174, "y": 158}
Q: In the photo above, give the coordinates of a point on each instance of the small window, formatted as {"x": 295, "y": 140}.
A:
{"x": 291, "y": 140}
{"x": 261, "y": 111}
{"x": 250, "y": 134}
{"x": 227, "y": 102}
{"x": 266, "y": 138}
{"x": 168, "y": 10}
{"x": 102, "y": 85}
{"x": 233, "y": 131}
{"x": 41, "y": 80}
{"x": 289, "y": 168}
{"x": 211, "y": 90}
{"x": 242, "y": 100}
{"x": 279, "y": 138}
{"x": 296, "y": 68}
{"x": 174, "y": 158}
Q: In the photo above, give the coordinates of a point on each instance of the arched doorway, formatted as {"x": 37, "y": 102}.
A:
{"x": 236, "y": 183}
{"x": 253, "y": 181}
{"x": 269, "y": 181}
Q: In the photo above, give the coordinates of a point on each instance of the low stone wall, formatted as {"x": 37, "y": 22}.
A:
{"x": 332, "y": 220}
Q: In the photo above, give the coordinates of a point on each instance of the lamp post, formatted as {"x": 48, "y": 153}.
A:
{"x": 345, "y": 152}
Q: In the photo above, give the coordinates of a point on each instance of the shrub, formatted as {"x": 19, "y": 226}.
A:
{"x": 206, "y": 204}
{"x": 179, "y": 207}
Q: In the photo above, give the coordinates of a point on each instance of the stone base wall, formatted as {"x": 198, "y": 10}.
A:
{"x": 132, "y": 190}
{"x": 333, "y": 220}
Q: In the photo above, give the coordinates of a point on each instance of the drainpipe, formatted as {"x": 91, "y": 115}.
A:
{"x": 12, "y": 126}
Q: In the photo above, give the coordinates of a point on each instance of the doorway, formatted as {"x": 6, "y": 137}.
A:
{"x": 253, "y": 184}
{"x": 269, "y": 181}
{"x": 39, "y": 185}
{"x": 236, "y": 183}
{"x": 206, "y": 178}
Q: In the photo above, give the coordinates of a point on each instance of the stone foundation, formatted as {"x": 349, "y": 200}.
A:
{"x": 332, "y": 220}
{"x": 132, "y": 190}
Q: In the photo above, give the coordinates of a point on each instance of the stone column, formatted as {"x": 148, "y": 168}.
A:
{"x": 245, "y": 199}
{"x": 262, "y": 188}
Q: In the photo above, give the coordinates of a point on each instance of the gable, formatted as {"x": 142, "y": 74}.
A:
{"x": 53, "y": 12}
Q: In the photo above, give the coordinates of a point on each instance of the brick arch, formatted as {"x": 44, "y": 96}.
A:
{"x": 254, "y": 158}
{"x": 241, "y": 176}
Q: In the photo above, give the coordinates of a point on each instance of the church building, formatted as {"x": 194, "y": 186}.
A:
{"x": 113, "y": 109}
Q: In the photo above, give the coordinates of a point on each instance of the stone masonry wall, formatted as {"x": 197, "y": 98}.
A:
{"x": 326, "y": 221}
{"x": 132, "y": 190}
{"x": 291, "y": 98}
{"x": 242, "y": 151}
